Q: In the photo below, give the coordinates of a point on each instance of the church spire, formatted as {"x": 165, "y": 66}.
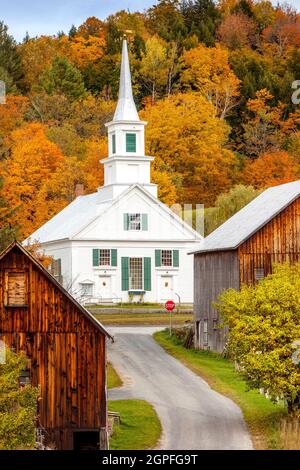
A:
{"x": 126, "y": 109}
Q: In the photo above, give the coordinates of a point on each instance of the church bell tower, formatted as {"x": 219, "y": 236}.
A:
{"x": 127, "y": 163}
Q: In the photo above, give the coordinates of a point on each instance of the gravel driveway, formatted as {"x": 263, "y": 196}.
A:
{"x": 193, "y": 416}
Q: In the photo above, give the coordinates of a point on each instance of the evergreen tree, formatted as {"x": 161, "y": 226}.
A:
{"x": 63, "y": 78}
{"x": 73, "y": 31}
{"x": 7, "y": 233}
{"x": 9, "y": 56}
{"x": 201, "y": 18}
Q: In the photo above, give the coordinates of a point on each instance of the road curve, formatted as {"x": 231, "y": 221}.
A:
{"x": 193, "y": 416}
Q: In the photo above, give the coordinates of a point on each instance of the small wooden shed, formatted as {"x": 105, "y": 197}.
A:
{"x": 243, "y": 251}
{"x": 66, "y": 350}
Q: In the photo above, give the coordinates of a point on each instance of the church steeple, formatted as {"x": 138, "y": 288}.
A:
{"x": 126, "y": 109}
{"x": 127, "y": 163}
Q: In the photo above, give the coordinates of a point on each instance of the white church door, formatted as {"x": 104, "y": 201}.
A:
{"x": 166, "y": 288}
{"x": 105, "y": 287}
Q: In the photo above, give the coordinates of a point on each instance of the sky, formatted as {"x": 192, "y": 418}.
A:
{"x": 50, "y": 16}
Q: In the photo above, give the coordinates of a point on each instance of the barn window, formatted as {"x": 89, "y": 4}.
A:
{"x": 24, "y": 378}
{"x": 259, "y": 274}
{"x": 16, "y": 289}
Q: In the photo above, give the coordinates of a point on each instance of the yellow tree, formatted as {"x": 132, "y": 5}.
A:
{"x": 207, "y": 71}
{"x": 188, "y": 141}
{"x": 154, "y": 68}
{"x": 83, "y": 51}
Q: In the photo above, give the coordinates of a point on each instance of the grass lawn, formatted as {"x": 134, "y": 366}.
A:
{"x": 113, "y": 378}
{"x": 140, "y": 427}
{"x": 261, "y": 415}
{"x": 142, "y": 318}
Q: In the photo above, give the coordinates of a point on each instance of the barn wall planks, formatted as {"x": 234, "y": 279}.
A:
{"x": 67, "y": 353}
{"x": 276, "y": 242}
{"x": 214, "y": 272}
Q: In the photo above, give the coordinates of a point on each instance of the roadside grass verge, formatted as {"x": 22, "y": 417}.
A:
{"x": 261, "y": 415}
{"x": 145, "y": 319}
{"x": 128, "y": 305}
{"x": 113, "y": 378}
{"x": 140, "y": 428}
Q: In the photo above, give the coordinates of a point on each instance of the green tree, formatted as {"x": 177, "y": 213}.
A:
{"x": 7, "y": 233}
{"x": 227, "y": 204}
{"x": 18, "y": 406}
{"x": 9, "y": 56}
{"x": 62, "y": 77}
{"x": 264, "y": 325}
{"x": 166, "y": 20}
{"x": 10, "y": 86}
{"x": 201, "y": 18}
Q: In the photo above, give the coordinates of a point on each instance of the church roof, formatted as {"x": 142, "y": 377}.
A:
{"x": 78, "y": 215}
{"x": 71, "y": 219}
{"x": 126, "y": 109}
{"x": 251, "y": 218}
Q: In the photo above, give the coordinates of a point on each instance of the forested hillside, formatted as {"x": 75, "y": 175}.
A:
{"x": 213, "y": 80}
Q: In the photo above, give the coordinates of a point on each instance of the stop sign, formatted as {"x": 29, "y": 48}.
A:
{"x": 170, "y": 305}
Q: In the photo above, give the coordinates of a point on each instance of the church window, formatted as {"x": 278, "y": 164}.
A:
{"x": 55, "y": 270}
{"x": 114, "y": 143}
{"x": 131, "y": 143}
{"x": 86, "y": 289}
{"x": 135, "y": 221}
{"x": 16, "y": 289}
{"x": 166, "y": 258}
{"x": 104, "y": 258}
{"x": 136, "y": 273}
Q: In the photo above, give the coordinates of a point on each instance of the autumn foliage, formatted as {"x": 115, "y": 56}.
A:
{"x": 212, "y": 80}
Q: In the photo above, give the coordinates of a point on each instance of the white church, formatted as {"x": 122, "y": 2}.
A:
{"x": 121, "y": 243}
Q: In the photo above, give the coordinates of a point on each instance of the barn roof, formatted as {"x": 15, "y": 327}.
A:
{"x": 52, "y": 279}
{"x": 250, "y": 218}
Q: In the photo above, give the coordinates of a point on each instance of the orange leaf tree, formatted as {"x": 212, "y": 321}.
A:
{"x": 188, "y": 142}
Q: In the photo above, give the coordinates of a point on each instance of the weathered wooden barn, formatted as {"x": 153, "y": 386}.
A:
{"x": 242, "y": 251}
{"x": 66, "y": 350}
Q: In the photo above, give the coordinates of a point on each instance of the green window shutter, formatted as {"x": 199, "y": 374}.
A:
{"x": 114, "y": 257}
{"x": 114, "y": 143}
{"x": 176, "y": 258}
{"x": 157, "y": 258}
{"x": 95, "y": 257}
{"x": 130, "y": 142}
{"x": 145, "y": 222}
{"x": 126, "y": 221}
{"x": 147, "y": 274}
{"x": 125, "y": 274}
